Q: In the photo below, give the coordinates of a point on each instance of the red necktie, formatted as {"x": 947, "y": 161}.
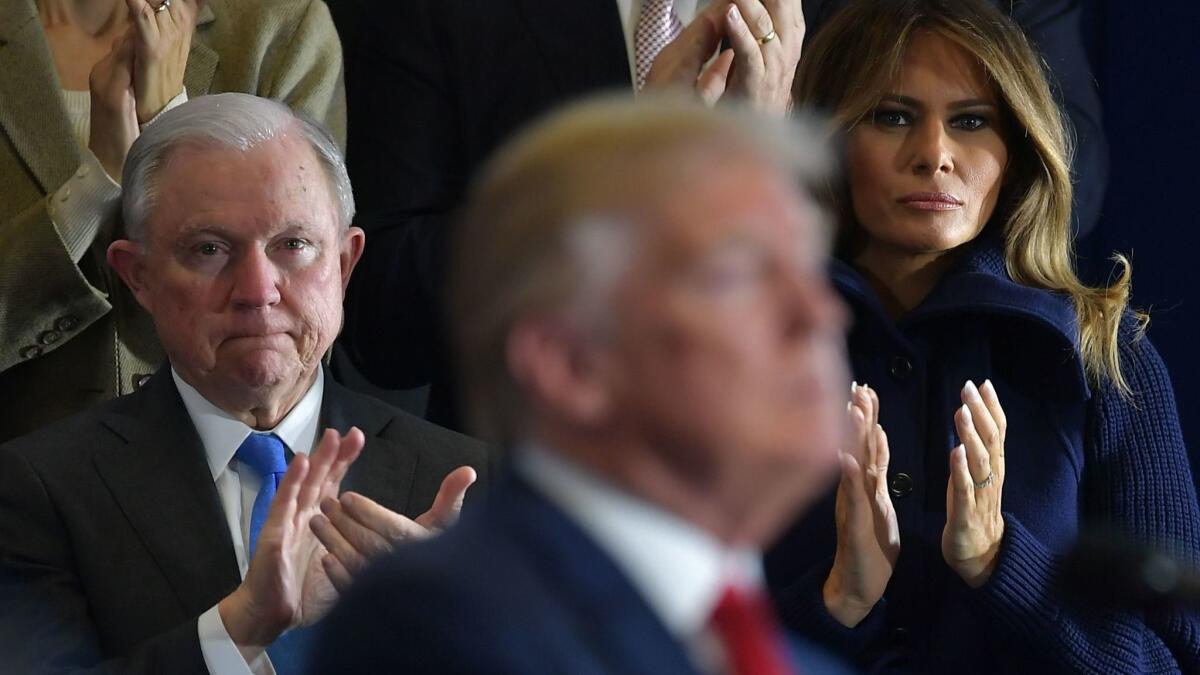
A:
{"x": 753, "y": 641}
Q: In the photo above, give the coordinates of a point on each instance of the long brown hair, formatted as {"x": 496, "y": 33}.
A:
{"x": 853, "y": 60}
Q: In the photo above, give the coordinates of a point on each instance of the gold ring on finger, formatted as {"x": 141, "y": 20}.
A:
{"x": 767, "y": 38}
{"x": 166, "y": 4}
{"x": 986, "y": 482}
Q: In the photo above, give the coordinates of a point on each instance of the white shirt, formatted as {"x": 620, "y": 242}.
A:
{"x": 222, "y": 434}
{"x": 630, "y": 9}
{"x": 679, "y": 569}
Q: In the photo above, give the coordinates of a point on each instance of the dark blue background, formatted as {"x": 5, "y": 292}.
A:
{"x": 1146, "y": 58}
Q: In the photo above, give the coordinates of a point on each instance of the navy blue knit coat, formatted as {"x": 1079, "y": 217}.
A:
{"x": 1075, "y": 454}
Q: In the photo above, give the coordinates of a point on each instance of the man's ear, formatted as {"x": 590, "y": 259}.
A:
{"x": 353, "y": 242}
{"x": 126, "y": 257}
{"x": 560, "y": 369}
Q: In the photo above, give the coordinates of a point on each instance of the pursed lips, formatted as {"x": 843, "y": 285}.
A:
{"x": 931, "y": 201}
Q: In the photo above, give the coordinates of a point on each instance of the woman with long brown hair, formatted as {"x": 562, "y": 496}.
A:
{"x": 1019, "y": 403}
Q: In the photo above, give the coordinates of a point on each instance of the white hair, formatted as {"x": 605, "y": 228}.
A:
{"x": 231, "y": 120}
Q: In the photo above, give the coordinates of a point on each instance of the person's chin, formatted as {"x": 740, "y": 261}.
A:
{"x": 263, "y": 369}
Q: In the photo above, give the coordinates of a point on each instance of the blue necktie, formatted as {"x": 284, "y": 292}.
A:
{"x": 267, "y": 456}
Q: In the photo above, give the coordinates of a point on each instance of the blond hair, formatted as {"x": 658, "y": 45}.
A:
{"x": 857, "y": 56}
{"x": 593, "y": 168}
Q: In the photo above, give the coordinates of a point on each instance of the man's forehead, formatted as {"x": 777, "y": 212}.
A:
{"x": 740, "y": 205}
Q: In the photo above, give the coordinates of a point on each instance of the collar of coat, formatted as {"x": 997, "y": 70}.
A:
{"x": 978, "y": 286}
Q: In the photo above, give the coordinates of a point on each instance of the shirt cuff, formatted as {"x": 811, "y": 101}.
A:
{"x": 175, "y": 102}
{"x": 221, "y": 655}
{"x": 78, "y": 208}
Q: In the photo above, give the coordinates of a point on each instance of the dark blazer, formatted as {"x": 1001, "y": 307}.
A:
{"x": 426, "y": 109}
{"x": 516, "y": 587}
{"x": 111, "y": 529}
{"x": 1077, "y": 454}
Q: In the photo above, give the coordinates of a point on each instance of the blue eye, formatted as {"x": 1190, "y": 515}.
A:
{"x": 891, "y": 118}
{"x": 969, "y": 122}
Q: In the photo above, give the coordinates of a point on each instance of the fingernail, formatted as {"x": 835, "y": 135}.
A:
{"x": 849, "y": 406}
{"x": 966, "y": 413}
{"x": 972, "y": 392}
{"x": 853, "y": 387}
{"x": 987, "y": 386}
{"x": 734, "y": 14}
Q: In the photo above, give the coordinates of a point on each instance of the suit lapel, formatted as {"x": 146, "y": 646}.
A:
{"x": 202, "y": 60}
{"x": 582, "y": 42}
{"x": 161, "y": 480}
{"x": 612, "y": 617}
{"x": 384, "y": 471}
{"x": 32, "y": 113}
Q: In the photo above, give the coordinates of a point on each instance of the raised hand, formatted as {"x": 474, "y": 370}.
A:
{"x": 974, "y": 522}
{"x": 114, "y": 122}
{"x": 163, "y": 39}
{"x": 681, "y": 64}
{"x": 285, "y": 585}
{"x": 356, "y": 530}
{"x": 765, "y": 36}
{"x": 868, "y": 535}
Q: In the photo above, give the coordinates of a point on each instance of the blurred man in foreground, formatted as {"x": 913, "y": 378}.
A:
{"x": 195, "y": 526}
{"x": 643, "y": 316}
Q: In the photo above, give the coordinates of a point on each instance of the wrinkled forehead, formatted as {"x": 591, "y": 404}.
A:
{"x": 275, "y": 186}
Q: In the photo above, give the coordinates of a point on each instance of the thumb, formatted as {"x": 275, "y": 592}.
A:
{"x": 710, "y": 86}
{"x": 449, "y": 499}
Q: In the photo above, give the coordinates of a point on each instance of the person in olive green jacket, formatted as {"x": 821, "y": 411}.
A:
{"x": 78, "y": 80}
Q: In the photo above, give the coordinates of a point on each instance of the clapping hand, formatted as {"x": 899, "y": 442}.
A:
{"x": 162, "y": 40}
{"x": 356, "y": 530}
{"x": 868, "y": 535}
{"x": 286, "y": 585}
{"x": 974, "y": 522}
{"x": 765, "y": 38}
{"x": 114, "y": 122}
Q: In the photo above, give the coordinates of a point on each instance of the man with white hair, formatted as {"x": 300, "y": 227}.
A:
{"x": 643, "y": 315}
{"x": 195, "y": 526}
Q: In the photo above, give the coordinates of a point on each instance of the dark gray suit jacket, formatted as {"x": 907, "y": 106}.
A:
{"x": 112, "y": 536}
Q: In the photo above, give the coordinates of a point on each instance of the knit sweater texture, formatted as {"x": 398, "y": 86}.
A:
{"x": 1077, "y": 456}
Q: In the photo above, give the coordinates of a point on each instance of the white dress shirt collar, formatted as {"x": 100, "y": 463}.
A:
{"x": 677, "y": 567}
{"x": 222, "y": 433}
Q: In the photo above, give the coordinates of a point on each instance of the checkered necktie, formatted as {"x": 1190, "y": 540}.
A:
{"x": 657, "y": 25}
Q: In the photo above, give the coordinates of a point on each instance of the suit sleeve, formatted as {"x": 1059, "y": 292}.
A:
{"x": 39, "y": 279}
{"x": 405, "y": 159}
{"x": 45, "y": 626}
{"x": 306, "y": 72}
{"x": 1136, "y": 480}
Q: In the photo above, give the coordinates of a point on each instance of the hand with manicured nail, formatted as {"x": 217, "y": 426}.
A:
{"x": 868, "y": 535}
{"x": 974, "y": 521}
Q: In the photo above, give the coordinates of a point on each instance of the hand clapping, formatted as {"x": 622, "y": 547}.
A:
{"x": 765, "y": 37}
{"x": 974, "y": 522}
{"x": 161, "y": 43}
{"x": 868, "y": 535}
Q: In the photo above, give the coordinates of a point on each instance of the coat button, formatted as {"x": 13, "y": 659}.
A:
{"x": 31, "y": 352}
{"x": 67, "y": 323}
{"x": 900, "y": 368}
{"x": 901, "y": 485}
{"x": 49, "y": 337}
{"x": 140, "y": 381}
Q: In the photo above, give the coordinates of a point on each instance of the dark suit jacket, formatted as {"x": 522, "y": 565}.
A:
{"x": 113, "y": 540}
{"x": 516, "y": 587}
{"x": 437, "y": 85}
